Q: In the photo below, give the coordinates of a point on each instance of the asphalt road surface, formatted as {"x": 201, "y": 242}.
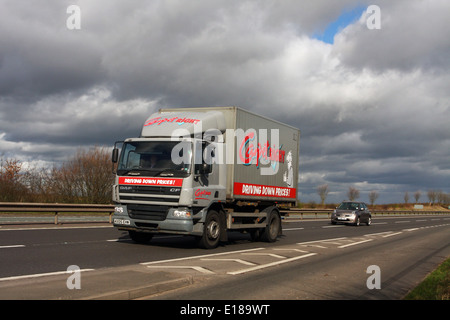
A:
{"x": 312, "y": 260}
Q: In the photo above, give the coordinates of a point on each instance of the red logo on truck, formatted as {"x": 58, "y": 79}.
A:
{"x": 249, "y": 151}
{"x": 200, "y": 194}
{"x": 177, "y": 120}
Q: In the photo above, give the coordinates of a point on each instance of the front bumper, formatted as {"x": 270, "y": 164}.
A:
{"x": 344, "y": 218}
{"x": 174, "y": 222}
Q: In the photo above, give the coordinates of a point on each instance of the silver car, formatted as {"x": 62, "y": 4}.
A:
{"x": 352, "y": 212}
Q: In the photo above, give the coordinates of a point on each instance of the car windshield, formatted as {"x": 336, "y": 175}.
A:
{"x": 349, "y": 206}
{"x": 155, "y": 158}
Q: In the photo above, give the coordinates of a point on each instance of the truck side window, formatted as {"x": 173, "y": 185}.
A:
{"x": 204, "y": 160}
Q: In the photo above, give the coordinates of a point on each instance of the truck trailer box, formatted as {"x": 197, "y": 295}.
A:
{"x": 261, "y": 154}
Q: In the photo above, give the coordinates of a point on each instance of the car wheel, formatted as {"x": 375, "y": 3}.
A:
{"x": 357, "y": 222}
{"x": 369, "y": 221}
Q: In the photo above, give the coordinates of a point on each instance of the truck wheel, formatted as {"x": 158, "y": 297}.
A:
{"x": 211, "y": 231}
{"x": 273, "y": 228}
{"x": 140, "y": 237}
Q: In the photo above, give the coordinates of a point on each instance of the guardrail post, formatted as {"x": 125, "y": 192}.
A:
{"x": 56, "y": 217}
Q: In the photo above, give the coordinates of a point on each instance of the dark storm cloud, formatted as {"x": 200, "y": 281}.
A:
{"x": 372, "y": 108}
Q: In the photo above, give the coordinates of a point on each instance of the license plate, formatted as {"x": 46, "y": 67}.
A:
{"x": 340, "y": 218}
{"x": 121, "y": 221}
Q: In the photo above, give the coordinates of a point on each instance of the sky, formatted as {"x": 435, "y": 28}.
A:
{"x": 372, "y": 104}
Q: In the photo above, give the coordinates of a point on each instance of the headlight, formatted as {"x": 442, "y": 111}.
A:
{"x": 181, "y": 213}
{"x": 118, "y": 209}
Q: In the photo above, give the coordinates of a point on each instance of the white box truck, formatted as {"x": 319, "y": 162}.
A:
{"x": 203, "y": 172}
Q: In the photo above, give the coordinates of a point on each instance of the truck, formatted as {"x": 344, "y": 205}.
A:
{"x": 203, "y": 172}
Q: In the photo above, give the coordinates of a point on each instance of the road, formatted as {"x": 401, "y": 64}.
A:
{"x": 312, "y": 260}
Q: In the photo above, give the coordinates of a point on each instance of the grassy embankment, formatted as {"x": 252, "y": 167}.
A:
{"x": 436, "y": 286}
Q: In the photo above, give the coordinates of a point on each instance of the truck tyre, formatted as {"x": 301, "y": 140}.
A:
{"x": 212, "y": 229}
{"x": 273, "y": 228}
{"x": 140, "y": 237}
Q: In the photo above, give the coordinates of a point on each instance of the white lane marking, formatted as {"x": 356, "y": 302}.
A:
{"x": 13, "y": 246}
{"x": 37, "y": 275}
{"x": 233, "y": 260}
{"x": 55, "y": 228}
{"x": 292, "y": 229}
{"x": 296, "y": 250}
{"x": 391, "y": 234}
{"x": 265, "y": 254}
{"x": 313, "y": 245}
{"x": 307, "y": 242}
{"x": 378, "y": 233}
{"x": 354, "y": 243}
{"x": 271, "y": 264}
{"x": 196, "y": 268}
{"x": 201, "y": 256}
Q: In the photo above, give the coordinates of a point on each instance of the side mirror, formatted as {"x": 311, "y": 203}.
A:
{"x": 115, "y": 155}
{"x": 203, "y": 168}
{"x": 206, "y": 168}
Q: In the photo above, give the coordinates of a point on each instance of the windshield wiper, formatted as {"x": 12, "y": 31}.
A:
{"x": 165, "y": 172}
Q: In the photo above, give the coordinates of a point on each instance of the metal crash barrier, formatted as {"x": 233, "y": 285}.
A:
{"x": 56, "y": 208}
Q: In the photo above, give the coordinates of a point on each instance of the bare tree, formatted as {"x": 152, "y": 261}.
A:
{"x": 373, "y": 196}
{"x": 441, "y": 197}
{"x": 12, "y": 187}
{"x": 417, "y": 195}
{"x": 86, "y": 178}
{"x": 352, "y": 193}
{"x": 323, "y": 192}
{"x": 406, "y": 197}
{"x": 431, "y": 196}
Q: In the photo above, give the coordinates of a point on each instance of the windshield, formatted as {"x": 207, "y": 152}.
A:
{"x": 155, "y": 158}
{"x": 349, "y": 206}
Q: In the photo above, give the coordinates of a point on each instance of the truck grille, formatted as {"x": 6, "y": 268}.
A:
{"x": 158, "y": 199}
{"x": 168, "y": 191}
{"x": 147, "y": 212}
{"x": 150, "y": 194}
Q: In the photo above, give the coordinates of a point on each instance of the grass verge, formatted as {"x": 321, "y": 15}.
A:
{"x": 436, "y": 286}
